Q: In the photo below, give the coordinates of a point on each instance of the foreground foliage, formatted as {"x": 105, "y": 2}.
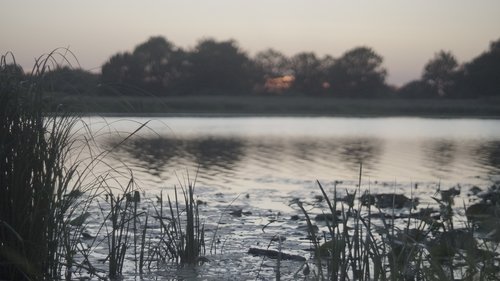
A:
{"x": 47, "y": 187}
{"x": 38, "y": 189}
{"x": 371, "y": 239}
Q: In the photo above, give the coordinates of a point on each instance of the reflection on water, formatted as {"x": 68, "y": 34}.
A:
{"x": 153, "y": 153}
{"x": 439, "y": 156}
{"x": 249, "y": 153}
{"x": 212, "y": 153}
{"x": 488, "y": 155}
{"x": 353, "y": 152}
{"x": 158, "y": 153}
{"x": 219, "y": 156}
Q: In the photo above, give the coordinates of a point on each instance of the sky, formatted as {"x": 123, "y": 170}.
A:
{"x": 406, "y": 33}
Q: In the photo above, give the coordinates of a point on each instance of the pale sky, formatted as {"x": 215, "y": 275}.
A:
{"x": 405, "y": 33}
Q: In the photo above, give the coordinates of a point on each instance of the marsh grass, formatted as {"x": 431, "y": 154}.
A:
{"x": 39, "y": 191}
{"x": 183, "y": 235}
{"x": 123, "y": 218}
{"x": 47, "y": 179}
{"x": 48, "y": 186}
{"x": 363, "y": 242}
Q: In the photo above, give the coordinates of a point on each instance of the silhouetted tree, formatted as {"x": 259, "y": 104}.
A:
{"x": 123, "y": 73}
{"x": 156, "y": 67}
{"x": 439, "y": 73}
{"x": 308, "y": 72}
{"x": 220, "y": 67}
{"x": 481, "y": 76}
{"x": 416, "y": 89}
{"x": 271, "y": 67}
{"x": 271, "y": 63}
{"x": 161, "y": 65}
{"x": 358, "y": 73}
{"x": 72, "y": 81}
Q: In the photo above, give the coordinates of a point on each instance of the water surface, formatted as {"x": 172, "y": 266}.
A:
{"x": 246, "y": 153}
{"x": 262, "y": 165}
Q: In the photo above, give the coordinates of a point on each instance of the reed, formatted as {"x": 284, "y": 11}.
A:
{"x": 47, "y": 185}
{"x": 39, "y": 190}
{"x": 365, "y": 243}
{"x": 183, "y": 235}
{"x": 47, "y": 191}
{"x": 123, "y": 217}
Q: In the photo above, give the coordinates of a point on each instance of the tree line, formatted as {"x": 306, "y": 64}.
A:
{"x": 158, "y": 67}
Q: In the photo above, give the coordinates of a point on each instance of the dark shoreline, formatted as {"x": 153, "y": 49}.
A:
{"x": 278, "y": 106}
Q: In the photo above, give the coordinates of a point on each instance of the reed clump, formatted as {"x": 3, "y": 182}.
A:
{"x": 364, "y": 242}
{"x": 183, "y": 234}
{"x": 37, "y": 187}
{"x": 121, "y": 230}
{"x": 47, "y": 185}
{"x": 48, "y": 191}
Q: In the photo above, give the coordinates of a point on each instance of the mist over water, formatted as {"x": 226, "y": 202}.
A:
{"x": 247, "y": 153}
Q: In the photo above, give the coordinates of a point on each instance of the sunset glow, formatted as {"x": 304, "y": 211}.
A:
{"x": 279, "y": 84}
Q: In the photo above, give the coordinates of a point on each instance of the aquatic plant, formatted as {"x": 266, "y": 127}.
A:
{"x": 46, "y": 182}
{"x": 366, "y": 244}
{"x": 40, "y": 190}
{"x": 123, "y": 218}
{"x": 183, "y": 238}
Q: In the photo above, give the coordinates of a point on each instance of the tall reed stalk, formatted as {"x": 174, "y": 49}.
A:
{"x": 42, "y": 209}
{"x": 183, "y": 234}
{"x": 34, "y": 180}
